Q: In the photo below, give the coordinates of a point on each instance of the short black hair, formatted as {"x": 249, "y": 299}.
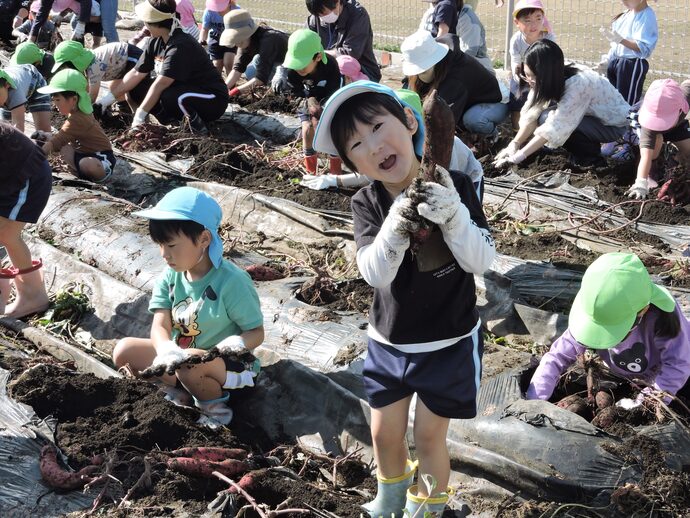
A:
{"x": 667, "y": 324}
{"x": 67, "y": 94}
{"x": 165, "y": 230}
{"x": 546, "y": 61}
{"x": 67, "y": 65}
{"x": 4, "y": 83}
{"x": 316, "y": 7}
{"x": 527, "y": 11}
{"x": 361, "y": 108}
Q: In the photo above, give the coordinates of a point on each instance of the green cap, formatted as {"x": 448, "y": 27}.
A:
{"x": 27, "y": 53}
{"x": 69, "y": 80}
{"x": 302, "y": 45}
{"x": 411, "y": 98}
{"x": 73, "y": 52}
{"x": 6, "y": 76}
{"x": 615, "y": 288}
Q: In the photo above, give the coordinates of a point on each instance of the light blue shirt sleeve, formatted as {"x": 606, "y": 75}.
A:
{"x": 639, "y": 27}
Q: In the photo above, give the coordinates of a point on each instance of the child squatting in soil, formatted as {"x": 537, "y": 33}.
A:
{"x": 19, "y": 94}
{"x": 201, "y": 301}
{"x": 637, "y": 328}
{"x": 26, "y": 181}
{"x": 424, "y": 330}
{"x": 81, "y": 141}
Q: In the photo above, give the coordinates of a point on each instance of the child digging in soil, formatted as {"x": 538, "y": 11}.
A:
{"x": 314, "y": 75}
{"x": 19, "y": 94}
{"x": 26, "y": 183}
{"x": 81, "y": 141}
{"x": 637, "y": 328}
{"x": 200, "y": 302}
{"x": 424, "y": 330}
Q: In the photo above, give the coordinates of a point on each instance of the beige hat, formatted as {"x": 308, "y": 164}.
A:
{"x": 239, "y": 26}
{"x": 149, "y": 14}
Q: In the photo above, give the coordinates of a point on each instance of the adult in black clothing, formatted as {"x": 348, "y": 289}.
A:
{"x": 12, "y": 14}
{"x": 44, "y": 12}
{"x": 471, "y": 91}
{"x": 345, "y": 29}
{"x": 261, "y": 50}
{"x": 182, "y": 82}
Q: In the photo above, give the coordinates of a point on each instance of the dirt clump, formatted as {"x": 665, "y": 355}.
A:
{"x": 351, "y": 295}
{"x": 264, "y": 100}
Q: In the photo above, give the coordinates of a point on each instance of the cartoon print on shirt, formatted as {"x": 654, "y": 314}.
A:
{"x": 184, "y": 317}
{"x": 631, "y": 360}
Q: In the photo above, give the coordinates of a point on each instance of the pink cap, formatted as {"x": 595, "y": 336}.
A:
{"x": 662, "y": 105}
{"x": 217, "y": 5}
{"x": 35, "y": 5}
{"x": 532, "y": 4}
{"x": 350, "y": 67}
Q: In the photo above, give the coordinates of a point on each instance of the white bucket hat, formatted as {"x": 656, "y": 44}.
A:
{"x": 420, "y": 51}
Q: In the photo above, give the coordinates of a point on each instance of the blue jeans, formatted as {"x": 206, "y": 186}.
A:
{"x": 483, "y": 118}
{"x": 250, "y": 73}
{"x": 108, "y": 19}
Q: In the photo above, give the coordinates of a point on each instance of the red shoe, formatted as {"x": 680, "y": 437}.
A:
{"x": 310, "y": 163}
{"x": 335, "y": 165}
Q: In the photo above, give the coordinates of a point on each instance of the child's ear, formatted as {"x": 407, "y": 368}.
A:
{"x": 205, "y": 238}
{"x": 412, "y": 123}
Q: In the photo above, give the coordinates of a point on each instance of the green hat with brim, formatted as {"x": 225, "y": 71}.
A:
{"x": 27, "y": 53}
{"x": 411, "y": 98}
{"x": 4, "y": 75}
{"x": 73, "y": 52}
{"x": 615, "y": 288}
{"x": 69, "y": 80}
{"x": 303, "y": 44}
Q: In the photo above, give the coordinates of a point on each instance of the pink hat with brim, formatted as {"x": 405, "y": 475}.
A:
{"x": 217, "y": 5}
{"x": 662, "y": 105}
{"x": 532, "y": 4}
{"x": 350, "y": 67}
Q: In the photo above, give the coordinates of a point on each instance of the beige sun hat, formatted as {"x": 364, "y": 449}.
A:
{"x": 149, "y": 14}
{"x": 239, "y": 25}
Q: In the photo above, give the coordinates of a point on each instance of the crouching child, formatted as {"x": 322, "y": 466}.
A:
{"x": 200, "y": 302}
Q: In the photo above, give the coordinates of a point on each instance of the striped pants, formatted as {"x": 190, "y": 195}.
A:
{"x": 627, "y": 75}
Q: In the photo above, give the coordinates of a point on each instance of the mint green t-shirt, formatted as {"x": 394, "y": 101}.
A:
{"x": 221, "y": 304}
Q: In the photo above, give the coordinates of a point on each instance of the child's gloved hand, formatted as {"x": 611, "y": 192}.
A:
{"x": 440, "y": 202}
{"x": 41, "y": 136}
{"x": 21, "y": 37}
{"x": 610, "y": 34}
{"x": 139, "y": 117}
{"x": 513, "y": 159}
{"x": 507, "y": 151}
{"x": 319, "y": 182}
{"x": 279, "y": 82}
{"x": 168, "y": 353}
{"x": 78, "y": 32}
{"x": 639, "y": 190}
{"x": 232, "y": 345}
{"x": 402, "y": 220}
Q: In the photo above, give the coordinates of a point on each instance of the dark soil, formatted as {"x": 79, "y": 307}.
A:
{"x": 354, "y": 295}
{"x": 264, "y": 100}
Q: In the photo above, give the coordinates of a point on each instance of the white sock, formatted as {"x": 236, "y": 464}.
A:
{"x": 235, "y": 380}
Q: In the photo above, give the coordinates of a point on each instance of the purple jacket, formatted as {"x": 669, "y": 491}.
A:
{"x": 660, "y": 361}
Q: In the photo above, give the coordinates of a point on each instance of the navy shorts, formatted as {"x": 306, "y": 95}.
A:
{"x": 446, "y": 381}
{"x": 107, "y": 158}
{"x": 27, "y": 203}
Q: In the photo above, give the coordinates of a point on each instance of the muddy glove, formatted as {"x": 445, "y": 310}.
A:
{"x": 279, "y": 83}
{"x": 440, "y": 202}
{"x": 168, "y": 353}
{"x": 139, "y": 117}
{"x": 610, "y": 34}
{"x": 509, "y": 150}
{"x": 402, "y": 220}
{"x": 78, "y": 31}
{"x": 106, "y": 101}
{"x": 639, "y": 190}
{"x": 515, "y": 158}
{"x": 319, "y": 182}
{"x": 232, "y": 345}
{"x": 41, "y": 136}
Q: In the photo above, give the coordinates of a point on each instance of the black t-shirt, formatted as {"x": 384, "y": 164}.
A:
{"x": 271, "y": 46}
{"x": 321, "y": 83}
{"x": 467, "y": 81}
{"x": 184, "y": 60}
{"x": 19, "y": 160}
{"x": 420, "y": 306}
{"x": 446, "y": 11}
{"x": 46, "y": 68}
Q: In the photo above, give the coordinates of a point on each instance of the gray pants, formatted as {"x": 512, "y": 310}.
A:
{"x": 592, "y": 128}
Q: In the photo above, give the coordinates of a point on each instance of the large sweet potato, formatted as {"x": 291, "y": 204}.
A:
{"x": 59, "y": 478}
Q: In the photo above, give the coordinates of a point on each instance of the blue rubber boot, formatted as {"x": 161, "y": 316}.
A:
{"x": 391, "y": 493}
{"x": 424, "y": 506}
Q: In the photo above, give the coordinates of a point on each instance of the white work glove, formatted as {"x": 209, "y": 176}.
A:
{"x": 107, "y": 100}
{"x": 401, "y": 221}
{"x": 168, "y": 353}
{"x": 507, "y": 151}
{"x": 603, "y": 65}
{"x": 515, "y": 158}
{"x": 628, "y": 404}
{"x": 139, "y": 117}
{"x": 279, "y": 83}
{"x": 232, "y": 344}
{"x": 639, "y": 190}
{"x": 78, "y": 32}
{"x": 440, "y": 202}
{"x": 610, "y": 34}
{"x": 319, "y": 182}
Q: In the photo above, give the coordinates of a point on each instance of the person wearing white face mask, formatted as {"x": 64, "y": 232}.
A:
{"x": 345, "y": 29}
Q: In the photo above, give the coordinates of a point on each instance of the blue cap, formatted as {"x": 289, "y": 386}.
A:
{"x": 322, "y": 138}
{"x": 190, "y": 204}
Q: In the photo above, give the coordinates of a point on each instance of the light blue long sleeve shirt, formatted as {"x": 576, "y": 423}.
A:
{"x": 639, "y": 27}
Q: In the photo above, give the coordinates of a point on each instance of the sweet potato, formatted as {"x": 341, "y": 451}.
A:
{"x": 246, "y": 482}
{"x": 203, "y": 468}
{"x": 261, "y": 272}
{"x": 212, "y": 453}
{"x": 603, "y": 399}
{"x": 57, "y": 477}
{"x": 576, "y": 405}
{"x": 606, "y": 417}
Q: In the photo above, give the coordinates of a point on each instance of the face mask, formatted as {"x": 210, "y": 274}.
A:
{"x": 427, "y": 76}
{"x": 331, "y": 17}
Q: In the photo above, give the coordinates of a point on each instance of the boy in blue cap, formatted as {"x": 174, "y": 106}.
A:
{"x": 201, "y": 301}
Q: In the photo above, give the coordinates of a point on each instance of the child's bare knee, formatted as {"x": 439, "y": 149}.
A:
{"x": 122, "y": 351}
{"x": 92, "y": 169}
